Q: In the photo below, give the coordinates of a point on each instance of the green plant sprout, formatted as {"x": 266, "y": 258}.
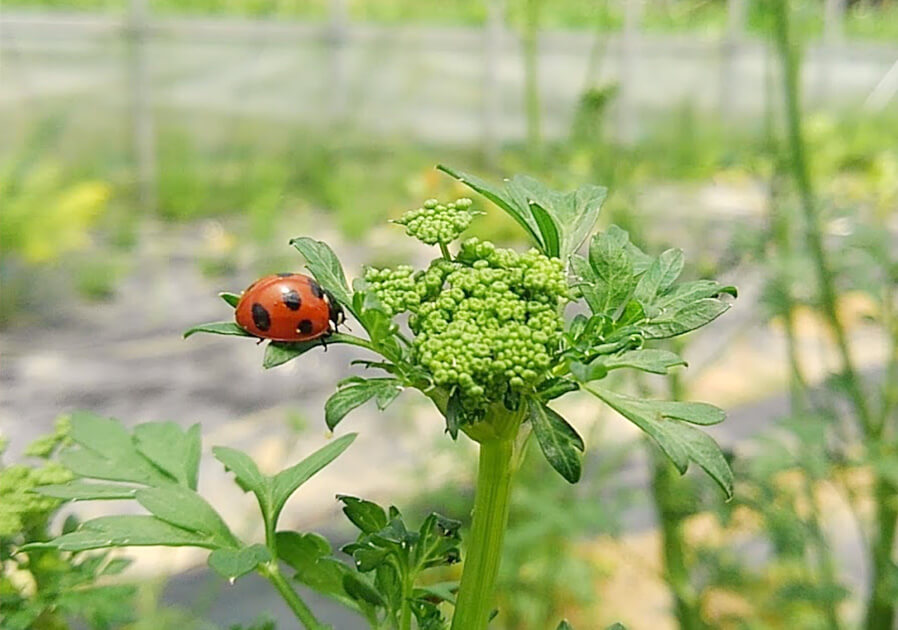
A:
{"x": 483, "y": 333}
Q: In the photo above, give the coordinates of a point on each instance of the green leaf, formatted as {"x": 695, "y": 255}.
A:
{"x": 671, "y": 323}
{"x": 247, "y": 473}
{"x": 218, "y": 328}
{"x": 125, "y": 531}
{"x": 664, "y": 422}
{"x": 547, "y": 229}
{"x": 558, "y": 440}
{"x": 555, "y": 387}
{"x": 326, "y": 267}
{"x": 684, "y": 294}
{"x": 366, "y": 515}
{"x": 573, "y": 213}
{"x": 362, "y": 591}
{"x": 613, "y": 268}
{"x": 286, "y": 482}
{"x": 647, "y": 360}
{"x": 186, "y": 509}
{"x": 357, "y": 393}
{"x": 660, "y": 275}
{"x": 234, "y": 563}
{"x": 107, "y": 452}
{"x": 175, "y": 451}
{"x": 80, "y": 490}
{"x": 231, "y": 298}
{"x": 588, "y": 283}
{"x": 516, "y": 207}
{"x": 302, "y": 550}
{"x": 280, "y": 352}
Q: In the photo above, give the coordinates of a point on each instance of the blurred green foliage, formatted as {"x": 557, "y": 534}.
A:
{"x": 865, "y": 19}
{"x": 47, "y": 589}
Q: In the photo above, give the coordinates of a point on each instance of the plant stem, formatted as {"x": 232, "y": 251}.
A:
{"x": 405, "y": 621}
{"x": 880, "y": 608}
{"x": 291, "y": 597}
{"x": 444, "y": 249}
{"x": 491, "y": 503}
{"x": 802, "y": 177}
{"x": 670, "y": 497}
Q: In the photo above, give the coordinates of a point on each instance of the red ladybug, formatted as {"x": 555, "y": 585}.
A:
{"x": 288, "y": 307}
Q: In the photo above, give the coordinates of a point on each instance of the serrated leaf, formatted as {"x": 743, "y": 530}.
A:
{"x": 326, "y": 577}
{"x": 247, "y": 473}
{"x": 286, "y": 482}
{"x": 302, "y": 550}
{"x": 356, "y": 394}
{"x": 231, "y": 298}
{"x": 558, "y": 440}
{"x": 665, "y": 423}
{"x": 646, "y": 359}
{"x": 234, "y": 563}
{"x": 325, "y": 266}
{"x": 218, "y": 328}
{"x": 366, "y": 515}
{"x": 186, "y": 509}
{"x": 80, "y": 490}
{"x": 175, "y": 451}
{"x": 613, "y": 270}
{"x": 107, "y": 452}
{"x": 362, "y": 591}
{"x": 660, "y": 275}
{"x": 686, "y": 293}
{"x": 671, "y": 323}
{"x": 572, "y": 213}
{"x": 125, "y": 531}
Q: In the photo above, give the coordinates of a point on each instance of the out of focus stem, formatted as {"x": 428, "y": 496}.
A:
{"x": 880, "y": 613}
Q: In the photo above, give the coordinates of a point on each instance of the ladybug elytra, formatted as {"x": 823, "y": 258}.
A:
{"x": 288, "y": 307}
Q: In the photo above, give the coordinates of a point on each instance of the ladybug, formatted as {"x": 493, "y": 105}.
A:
{"x": 288, "y": 307}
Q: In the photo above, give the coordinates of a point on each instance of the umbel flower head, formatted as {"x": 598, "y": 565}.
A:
{"x": 486, "y": 322}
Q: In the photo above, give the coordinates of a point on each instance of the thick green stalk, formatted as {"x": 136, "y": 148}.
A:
{"x": 293, "y": 600}
{"x": 880, "y": 609}
{"x": 491, "y": 503}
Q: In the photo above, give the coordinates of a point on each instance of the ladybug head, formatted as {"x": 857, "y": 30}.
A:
{"x": 335, "y": 311}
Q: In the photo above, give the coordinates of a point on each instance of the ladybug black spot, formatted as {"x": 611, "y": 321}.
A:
{"x": 261, "y": 318}
{"x": 317, "y": 291}
{"x": 292, "y": 300}
{"x": 304, "y": 327}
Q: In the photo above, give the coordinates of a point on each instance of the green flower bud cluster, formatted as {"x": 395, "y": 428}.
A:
{"x": 438, "y": 223}
{"x": 487, "y": 322}
{"x": 23, "y": 509}
{"x": 396, "y": 290}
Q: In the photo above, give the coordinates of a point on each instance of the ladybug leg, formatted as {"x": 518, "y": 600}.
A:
{"x": 324, "y": 342}
{"x": 260, "y": 341}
